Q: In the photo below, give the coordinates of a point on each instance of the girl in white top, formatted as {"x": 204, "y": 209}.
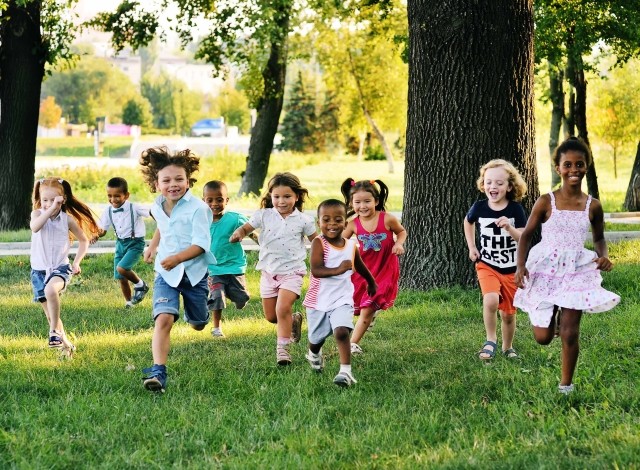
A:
{"x": 57, "y": 214}
{"x": 282, "y": 256}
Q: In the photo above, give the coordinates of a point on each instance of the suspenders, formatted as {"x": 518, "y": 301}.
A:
{"x": 133, "y": 228}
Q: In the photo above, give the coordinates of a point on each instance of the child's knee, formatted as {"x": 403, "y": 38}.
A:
{"x": 341, "y": 333}
{"x": 507, "y": 318}
{"x": 491, "y": 301}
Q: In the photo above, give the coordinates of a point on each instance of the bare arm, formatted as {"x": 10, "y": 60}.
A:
{"x": 596, "y": 215}
{"x": 349, "y": 231}
{"x": 316, "y": 261}
{"x": 398, "y": 230}
{"x": 39, "y": 217}
{"x": 152, "y": 249}
{"x": 470, "y": 236}
{"x": 539, "y": 214}
{"x": 503, "y": 222}
{"x": 188, "y": 253}
{"x": 83, "y": 244}
{"x": 362, "y": 269}
{"x": 241, "y": 232}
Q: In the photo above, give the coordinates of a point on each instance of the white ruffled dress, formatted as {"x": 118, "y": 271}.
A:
{"x": 562, "y": 271}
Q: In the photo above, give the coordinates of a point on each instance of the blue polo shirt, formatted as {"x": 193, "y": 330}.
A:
{"x": 188, "y": 225}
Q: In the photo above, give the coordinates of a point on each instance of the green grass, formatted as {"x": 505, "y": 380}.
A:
{"x": 423, "y": 400}
{"x": 82, "y": 146}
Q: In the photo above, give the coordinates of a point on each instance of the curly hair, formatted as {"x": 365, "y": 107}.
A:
{"x": 155, "y": 159}
{"x": 289, "y": 180}
{"x": 77, "y": 209}
{"x": 518, "y": 186}
{"x": 577, "y": 145}
{"x": 350, "y": 186}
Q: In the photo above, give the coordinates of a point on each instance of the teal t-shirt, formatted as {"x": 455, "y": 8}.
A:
{"x": 230, "y": 256}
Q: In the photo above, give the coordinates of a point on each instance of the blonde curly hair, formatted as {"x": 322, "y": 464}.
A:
{"x": 518, "y": 186}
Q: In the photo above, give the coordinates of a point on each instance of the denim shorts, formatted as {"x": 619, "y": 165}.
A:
{"x": 231, "y": 286}
{"x": 128, "y": 253}
{"x": 166, "y": 299}
{"x": 39, "y": 280}
{"x": 321, "y": 324}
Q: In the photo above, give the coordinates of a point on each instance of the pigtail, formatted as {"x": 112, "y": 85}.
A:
{"x": 83, "y": 215}
{"x": 384, "y": 194}
{"x": 345, "y": 189}
{"x": 35, "y": 197}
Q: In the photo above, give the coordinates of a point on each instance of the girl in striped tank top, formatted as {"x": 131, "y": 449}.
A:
{"x": 57, "y": 215}
{"x": 329, "y": 300}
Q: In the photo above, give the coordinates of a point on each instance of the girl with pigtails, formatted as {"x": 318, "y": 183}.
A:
{"x": 57, "y": 217}
{"x": 381, "y": 238}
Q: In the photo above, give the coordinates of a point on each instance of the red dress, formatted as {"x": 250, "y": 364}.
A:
{"x": 375, "y": 250}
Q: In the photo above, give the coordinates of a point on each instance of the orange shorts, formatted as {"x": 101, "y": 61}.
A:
{"x": 503, "y": 284}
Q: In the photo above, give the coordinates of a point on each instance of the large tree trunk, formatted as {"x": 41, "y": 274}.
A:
{"x": 556, "y": 93}
{"x": 269, "y": 109}
{"x": 21, "y": 72}
{"x": 632, "y": 200}
{"x": 581, "y": 124}
{"x": 470, "y": 101}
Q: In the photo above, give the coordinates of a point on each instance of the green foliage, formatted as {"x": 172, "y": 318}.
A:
{"x": 374, "y": 152}
{"x": 93, "y": 88}
{"x": 233, "y": 105}
{"x": 81, "y": 147}
{"x": 298, "y": 128}
{"x": 422, "y": 398}
{"x": 137, "y": 112}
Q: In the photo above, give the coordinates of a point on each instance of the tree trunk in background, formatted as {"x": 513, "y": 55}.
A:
{"x": 269, "y": 109}
{"x": 470, "y": 101}
{"x": 556, "y": 93}
{"x": 632, "y": 200}
{"x": 581, "y": 124}
{"x": 21, "y": 72}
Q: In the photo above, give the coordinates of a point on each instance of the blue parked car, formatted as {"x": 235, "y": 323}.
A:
{"x": 213, "y": 127}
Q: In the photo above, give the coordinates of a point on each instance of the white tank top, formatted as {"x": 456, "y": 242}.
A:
{"x": 328, "y": 293}
{"x": 50, "y": 245}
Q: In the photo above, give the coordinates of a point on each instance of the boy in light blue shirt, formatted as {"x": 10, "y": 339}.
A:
{"x": 227, "y": 276}
{"x": 182, "y": 242}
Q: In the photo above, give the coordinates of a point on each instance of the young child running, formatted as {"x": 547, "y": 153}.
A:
{"x": 282, "y": 256}
{"x": 182, "y": 241}
{"x": 329, "y": 300}
{"x": 559, "y": 272}
{"x": 126, "y": 220}
{"x": 375, "y": 230}
{"x": 56, "y": 214}
{"x": 500, "y": 220}
{"x": 227, "y": 277}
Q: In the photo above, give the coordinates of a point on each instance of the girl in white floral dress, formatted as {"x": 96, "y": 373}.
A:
{"x": 560, "y": 275}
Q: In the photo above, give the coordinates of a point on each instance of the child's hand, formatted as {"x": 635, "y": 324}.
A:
{"x": 93, "y": 239}
{"x": 170, "y": 262}
{"x": 603, "y": 264}
{"x": 503, "y": 222}
{"x": 398, "y": 249}
{"x": 345, "y": 266}
{"x": 372, "y": 289}
{"x": 474, "y": 254}
{"x": 75, "y": 268}
{"x": 521, "y": 276}
{"x": 149, "y": 255}
{"x": 237, "y": 236}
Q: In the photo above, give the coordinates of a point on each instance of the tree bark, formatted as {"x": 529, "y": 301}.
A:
{"x": 470, "y": 101}
{"x": 21, "y": 71}
{"x": 632, "y": 200}
{"x": 269, "y": 110}
{"x": 556, "y": 93}
{"x": 581, "y": 124}
{"x": 369, "y": 118}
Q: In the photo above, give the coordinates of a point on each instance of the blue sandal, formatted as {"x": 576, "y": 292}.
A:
{"x": 55, "y": 340}
{"x": 488, "y": 352}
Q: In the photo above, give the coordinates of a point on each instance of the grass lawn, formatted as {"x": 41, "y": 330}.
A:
{"x": 423, "y": 399}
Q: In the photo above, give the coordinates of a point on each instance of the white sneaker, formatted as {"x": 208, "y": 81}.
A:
{"x": 128, "y": 304}
{"x": 217, "y": 333}
{"x": 344, "y": 379}
{"x": 316, "y": 362}
{"x": 356, "y": 349}
{"x": 566, "y": 389}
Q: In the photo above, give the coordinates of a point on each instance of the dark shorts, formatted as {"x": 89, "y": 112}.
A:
{"x": 166, "y": 299}
{"x": 128, "y": 253}
{"x": 230, "y": 286}
{"x": 39, "y": 280}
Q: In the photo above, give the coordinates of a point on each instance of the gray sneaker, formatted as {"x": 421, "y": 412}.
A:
{"x": 296, "y": 327}
{"x": 566, "y": 389}
{"x": 316, "y": 362}
{"x": 282, "y": 355}
{"x": 344, "y": 379}
{"x": 139, "y": 293}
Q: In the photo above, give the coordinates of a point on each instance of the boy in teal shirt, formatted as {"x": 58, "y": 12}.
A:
{"x": 227, "y": 276}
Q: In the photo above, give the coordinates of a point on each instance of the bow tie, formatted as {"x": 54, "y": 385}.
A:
{"x": 121, "y": 209}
